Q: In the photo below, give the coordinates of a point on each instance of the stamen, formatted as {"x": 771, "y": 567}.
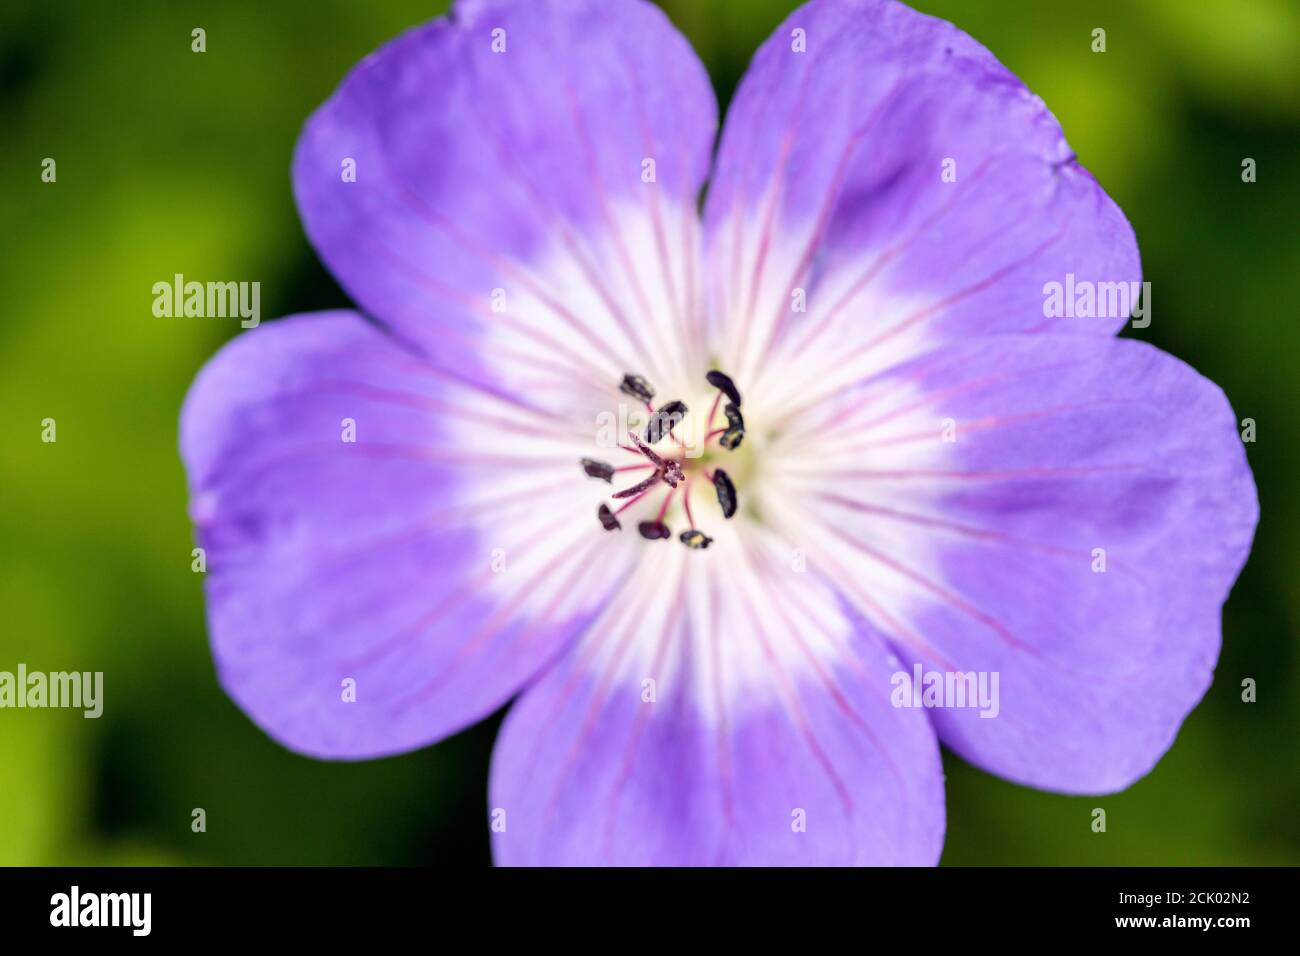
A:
{"x": 663, "y": 507}
{"x": 664, "y": 421}
{"x": 713, "y": 410}
{"x": 637, "y": 387}
{"x": 607, "y": 519}
{"x": 671, "y": 470}
{"x": 722, "y": 381}
{"x": 695, "y": 540}
{"x": 735, "y": 432}
{"x": 654, "y": 530}
{"x": 726, "y": 492}
{"x": 598, "y": 469}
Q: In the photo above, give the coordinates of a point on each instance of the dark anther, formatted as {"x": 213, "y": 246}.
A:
{"x": 664, "y": 421}
{"x": 637, "y": 387}
{"x": 735, "y": 432}
{"x": 598, "y": 469}
{"x": 723, "y": 383}
{"x": 654, "y": 530}
{"x": 726, "y": 492}
{"x": 607, "y": 519}
{"x": 695, "y": 540}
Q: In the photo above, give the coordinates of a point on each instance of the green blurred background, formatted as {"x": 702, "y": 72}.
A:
{"x": 171, "y": 161}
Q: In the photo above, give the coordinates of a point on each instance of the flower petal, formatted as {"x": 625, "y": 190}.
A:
{"x": 833, "y": 187}
{"x": 526, "y": 178}
{"x": 721, "y": 713}
{"x": 1068, "y": 512}
{"x": 410, "y": 561}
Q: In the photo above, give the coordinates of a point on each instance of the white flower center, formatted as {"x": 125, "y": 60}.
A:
{"x": 763, "y": 605}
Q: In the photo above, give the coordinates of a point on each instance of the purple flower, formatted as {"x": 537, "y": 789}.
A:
{"x": 911, "y": 461}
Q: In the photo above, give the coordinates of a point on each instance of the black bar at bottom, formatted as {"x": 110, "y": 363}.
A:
{"x": 455, "y": 909}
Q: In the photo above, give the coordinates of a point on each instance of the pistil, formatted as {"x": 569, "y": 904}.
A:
{"x": 672, "y": 470}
